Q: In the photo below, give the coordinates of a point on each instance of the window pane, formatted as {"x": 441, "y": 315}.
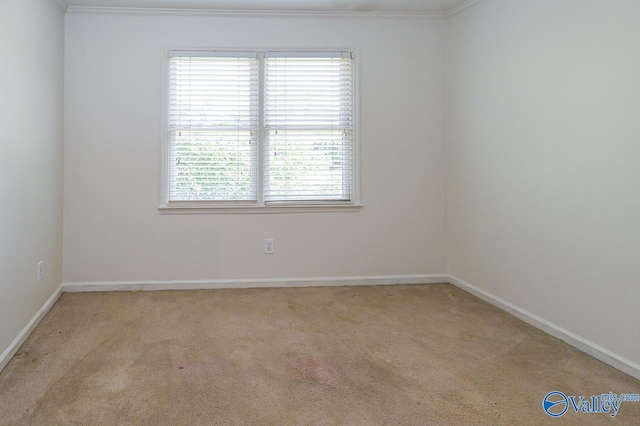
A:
{"x": 307, "y": 165}
{"x": 308, "y": 129}
{"x": 213, "y": 128}
{"x": 212, "y": 165}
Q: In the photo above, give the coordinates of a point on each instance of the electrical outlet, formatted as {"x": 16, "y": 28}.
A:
{"x": 268, "y": 246}
{"x": 40, "y": 270}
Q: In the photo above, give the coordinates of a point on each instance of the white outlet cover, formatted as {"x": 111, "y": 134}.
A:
{"x": 268, "y": 246}
{"x": 40, "y": 270}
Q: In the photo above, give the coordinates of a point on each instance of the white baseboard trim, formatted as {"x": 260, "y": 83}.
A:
{"x": 73, "y": 287}
{"x": 24, "y": 334}
{"x": 608, "y": 357}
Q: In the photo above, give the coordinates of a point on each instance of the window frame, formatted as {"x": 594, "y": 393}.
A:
{"x": 258, "y": 206}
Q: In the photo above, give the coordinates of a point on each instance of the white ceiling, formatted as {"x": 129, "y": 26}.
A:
{"x": 389, "y": 6}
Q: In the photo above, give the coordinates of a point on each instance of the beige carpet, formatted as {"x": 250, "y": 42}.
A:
{"x": 341, "y": 356}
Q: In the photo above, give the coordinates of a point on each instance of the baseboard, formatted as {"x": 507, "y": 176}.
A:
{"x": 253, "y": 283}
{"x": 24, "y": 334}
{"x": 625, "y": 365}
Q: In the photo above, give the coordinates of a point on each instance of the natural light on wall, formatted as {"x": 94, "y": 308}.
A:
{"x": 260, "y": 128}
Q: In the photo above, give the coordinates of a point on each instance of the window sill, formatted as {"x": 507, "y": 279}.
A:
{"x": 233, "y": 209}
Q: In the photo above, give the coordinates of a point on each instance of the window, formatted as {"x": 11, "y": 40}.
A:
{"x": 261, "y": 129}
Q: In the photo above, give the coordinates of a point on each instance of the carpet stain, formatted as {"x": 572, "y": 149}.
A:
{"x": 314, "y": 370}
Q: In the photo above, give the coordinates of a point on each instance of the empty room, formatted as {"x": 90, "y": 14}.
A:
{"x": 287, "y": 212}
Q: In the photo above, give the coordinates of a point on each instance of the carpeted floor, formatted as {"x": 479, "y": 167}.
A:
{"x": 342, "y": 356}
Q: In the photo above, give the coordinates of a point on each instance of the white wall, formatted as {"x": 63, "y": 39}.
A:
{"x": 31, "y": 155}
{"x": 113, "y": 230}
{"x": 544, "y": 161}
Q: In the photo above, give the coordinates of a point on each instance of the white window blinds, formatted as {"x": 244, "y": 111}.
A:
{"x": 260, "y": 128}
{"x": 213, "y": 126}
{"x": 308, "y": 127}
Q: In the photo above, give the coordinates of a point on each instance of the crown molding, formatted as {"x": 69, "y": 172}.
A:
{"x": 91, "y": 10}
{"x": 454, "y": 11}
{"x": 62, "y": 5}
